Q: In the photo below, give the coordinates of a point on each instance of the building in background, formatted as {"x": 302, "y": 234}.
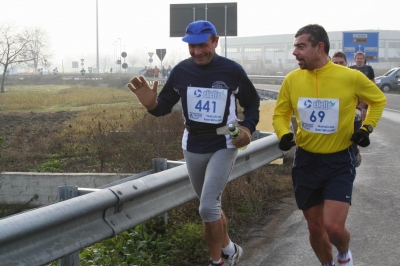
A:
{"x": 272, "y": 54}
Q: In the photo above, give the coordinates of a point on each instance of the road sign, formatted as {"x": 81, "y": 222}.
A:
{"x": 161, "y": 53}
{"x": 123, "y": 54}
{"x": 366, "y": 42}
{"x": 150, "y": 60}
{"x": 124, "y": 65}
{"x": 151, "y": 54}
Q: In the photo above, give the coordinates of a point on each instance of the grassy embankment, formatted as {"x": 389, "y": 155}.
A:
{"x": 108, "y": 131}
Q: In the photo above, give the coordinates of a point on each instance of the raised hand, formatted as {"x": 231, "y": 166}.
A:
{"x": 146, "y": 95}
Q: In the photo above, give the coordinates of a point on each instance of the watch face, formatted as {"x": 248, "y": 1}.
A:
{"x": 369, "y": 128}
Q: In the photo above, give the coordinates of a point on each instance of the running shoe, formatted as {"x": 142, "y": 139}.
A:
{"x": 346, "y": 260}
{"x": 218, "y": 264}
{"x": 358, "y": 160}
{"x": 233, "y": 259}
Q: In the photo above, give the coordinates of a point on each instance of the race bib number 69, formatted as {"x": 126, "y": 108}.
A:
{"x": 319, "y": 115}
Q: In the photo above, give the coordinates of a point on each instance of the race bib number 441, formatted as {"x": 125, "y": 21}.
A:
{"x": 206, "y": 105}
{"x": 319, "y": 115}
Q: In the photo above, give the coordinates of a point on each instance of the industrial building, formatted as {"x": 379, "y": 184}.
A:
{"x": 272, "y": 54}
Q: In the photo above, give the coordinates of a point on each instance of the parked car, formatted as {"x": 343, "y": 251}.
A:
{"x": 389, "y": 80}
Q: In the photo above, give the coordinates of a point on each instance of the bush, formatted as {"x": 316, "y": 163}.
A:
{"x": 149, "y": 244}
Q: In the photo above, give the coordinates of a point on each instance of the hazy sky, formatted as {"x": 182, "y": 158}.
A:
{"x": 144, "y": 25}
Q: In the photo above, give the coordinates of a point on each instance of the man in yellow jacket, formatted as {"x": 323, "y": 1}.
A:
{"x": 323, "y": 97}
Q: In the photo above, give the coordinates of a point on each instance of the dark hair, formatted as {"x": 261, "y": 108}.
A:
{"x": 340, "y": 54}
{"x": 317, "y": 34}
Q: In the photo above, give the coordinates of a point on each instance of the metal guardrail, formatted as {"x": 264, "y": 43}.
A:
{"x": 279, "y": 78}
{"x": 95, "y": 76}
{"x": 49, "y": 233}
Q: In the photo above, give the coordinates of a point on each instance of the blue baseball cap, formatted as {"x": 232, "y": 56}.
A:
{"x": 199, "y": 31}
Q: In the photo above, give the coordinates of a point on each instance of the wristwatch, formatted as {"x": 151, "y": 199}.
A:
{"x": 369, "y": 128}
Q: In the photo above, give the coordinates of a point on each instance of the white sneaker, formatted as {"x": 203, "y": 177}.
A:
{"x": 346, "y": 260}
{"x": 233, "y": 259}
{"x": 358, "y": 160}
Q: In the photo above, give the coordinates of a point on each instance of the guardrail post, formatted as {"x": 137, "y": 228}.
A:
{"x": 161, "y": 164}
{"x": 65, "y": 193}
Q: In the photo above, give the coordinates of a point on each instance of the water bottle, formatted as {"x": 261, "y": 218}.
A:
{"x": 234, "y": 132}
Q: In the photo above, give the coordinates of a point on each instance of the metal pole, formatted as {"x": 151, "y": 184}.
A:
{"x": 226, "y": 19}
{"x": 115, "y": 56}
{"x": 112, "y": 60}
{"x": 194, "y": 14}
{"x": 119, "y": 55}
{"x": 97, "y": 37}
{"x": 206, "y": 9}
{"x": 66, "y": 193}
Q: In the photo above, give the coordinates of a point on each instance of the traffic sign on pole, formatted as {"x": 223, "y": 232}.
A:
{"x": 161, "y": 53}
{"x": 366, "y": 42}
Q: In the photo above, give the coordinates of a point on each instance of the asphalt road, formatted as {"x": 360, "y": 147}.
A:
{"x": 374, "y": 218}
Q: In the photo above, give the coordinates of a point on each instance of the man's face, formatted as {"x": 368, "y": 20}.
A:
{"x": 203, "y": 53}
{"x": 306, "y": 55}
{"x": 339, "y": 61}
{"x": 359, "y": 59}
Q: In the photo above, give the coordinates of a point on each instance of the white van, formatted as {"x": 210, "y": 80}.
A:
{"x": 389, "y": 80}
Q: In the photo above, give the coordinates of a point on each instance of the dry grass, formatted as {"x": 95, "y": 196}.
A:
{"x": 56, "y": 98}
{"x": 105, "y": 131}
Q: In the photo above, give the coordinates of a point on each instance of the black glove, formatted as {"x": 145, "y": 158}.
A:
{"x": 287, "y": 142}
{"x": 360, "y": 137}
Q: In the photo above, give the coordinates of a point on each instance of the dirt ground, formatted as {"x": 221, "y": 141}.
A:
{"x": 22, "y": 130}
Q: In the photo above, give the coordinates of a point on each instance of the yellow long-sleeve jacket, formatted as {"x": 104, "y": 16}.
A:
{"x": 324, "y": 102}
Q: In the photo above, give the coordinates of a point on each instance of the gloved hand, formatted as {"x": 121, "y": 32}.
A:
{"x": 243, "y": 139}
{"x": 146, "y": 95}
{"x": 360, "y": 137}
{"x": 287, "y": 142}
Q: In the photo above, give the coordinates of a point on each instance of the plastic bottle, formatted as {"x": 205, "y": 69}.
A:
{"x": 234, "y": 132}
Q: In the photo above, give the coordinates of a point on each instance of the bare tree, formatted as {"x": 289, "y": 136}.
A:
{"x": 12, "y": 49}
{"x": 38, "y": 49}
{"x": 105, "y": 62}
{"x": 174, "y": 57}
{"x": 139, "y": 56}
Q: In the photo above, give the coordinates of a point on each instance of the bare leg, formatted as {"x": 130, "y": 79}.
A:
{"x": 213, "y": 235}
{"x": 335, "y": 220}
{"x": 319, "y": 239}
{"x": 216, "y": 236}
{"x": 225, "y": 236}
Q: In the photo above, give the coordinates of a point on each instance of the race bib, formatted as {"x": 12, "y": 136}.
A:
{"x": 206, "y": 105}
{"x": 319, "y": 115}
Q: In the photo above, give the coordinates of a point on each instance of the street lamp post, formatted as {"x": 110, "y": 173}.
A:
{"x": 115, "y": 56}
{"x": 119, "y": 55}
{"x": 97, "y": 39}
{"x": 112, "y": 60}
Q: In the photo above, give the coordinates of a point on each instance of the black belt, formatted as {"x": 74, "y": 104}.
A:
{"x": 196, "y": 132}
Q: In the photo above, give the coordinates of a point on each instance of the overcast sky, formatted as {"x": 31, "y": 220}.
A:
{"x": 132, "y": 25}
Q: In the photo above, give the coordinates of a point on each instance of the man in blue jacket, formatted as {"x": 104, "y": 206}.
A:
{"x": 208, "y": 86}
